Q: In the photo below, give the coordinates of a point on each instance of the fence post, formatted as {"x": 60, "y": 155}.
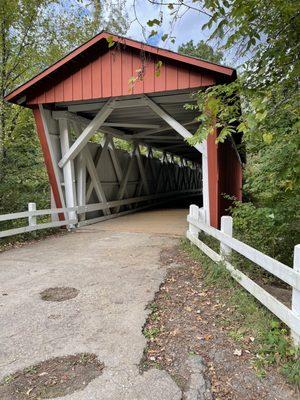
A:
{"x": 194, "y": 213}
{"x": 32, "y": 218}
{"x": 226, "y": 227}
{"x": 202, "y": 215}
{"x": 296, "y": 293}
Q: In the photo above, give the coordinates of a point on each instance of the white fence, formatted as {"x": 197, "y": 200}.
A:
{"x": 291, "y": 276}
{"x": 72, "y": 217}
{"x": 32, "y": 215}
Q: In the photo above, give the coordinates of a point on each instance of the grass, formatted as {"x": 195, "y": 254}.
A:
{"x": 151, "y": 333}
{"x": 271, "y": 340}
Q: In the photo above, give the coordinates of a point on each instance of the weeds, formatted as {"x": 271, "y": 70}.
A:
{"x": 30, "y": 370}
{"x": 272, "y": 344}
{"x": 151, "y": 333}
{"x": 8, "y": 379}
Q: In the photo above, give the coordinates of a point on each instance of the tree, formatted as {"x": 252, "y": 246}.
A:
{"x": 266, "y": 35}
{"x": 201, "y": 50}
{"x": 34, "y": 34}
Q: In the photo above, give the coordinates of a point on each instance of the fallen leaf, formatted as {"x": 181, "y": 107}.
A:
{"x": 237, "y": 352}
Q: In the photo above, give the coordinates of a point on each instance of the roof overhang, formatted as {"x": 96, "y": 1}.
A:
{"x": 18, "y": 96}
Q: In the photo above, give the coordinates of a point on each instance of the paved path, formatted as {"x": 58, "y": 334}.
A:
{"x": 117, "y": 274}
{"x": 162, "y": 221}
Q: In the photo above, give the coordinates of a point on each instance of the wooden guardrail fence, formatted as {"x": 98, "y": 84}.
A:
{"x": 291, "y": 276}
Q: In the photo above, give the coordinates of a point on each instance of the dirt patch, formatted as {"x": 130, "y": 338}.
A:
{"x": 59, "y": 294}
{"x": 55, "y": 377}
{"x": 186, "y": 319}
{"x": 282, "y": 294}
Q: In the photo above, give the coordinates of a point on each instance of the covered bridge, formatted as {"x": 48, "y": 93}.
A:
{"x": 100, "y": 94}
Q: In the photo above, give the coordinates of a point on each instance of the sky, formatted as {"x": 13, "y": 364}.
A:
{"x": 146, "y": 11}
{"x": 188, "y": 27}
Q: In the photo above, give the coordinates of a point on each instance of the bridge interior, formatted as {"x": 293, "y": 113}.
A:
{"x": 135, "y": 155}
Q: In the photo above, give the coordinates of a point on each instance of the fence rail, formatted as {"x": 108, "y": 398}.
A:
{"x": 33, "y": 225}
{"x": 291, "y": 317}
{"x": 67, "y": 214}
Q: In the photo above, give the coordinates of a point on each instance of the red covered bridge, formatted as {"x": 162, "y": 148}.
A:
{"x": 106, "y": 94}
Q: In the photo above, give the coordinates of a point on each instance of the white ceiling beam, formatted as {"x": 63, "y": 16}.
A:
{"x": 87, "y": 133}
{"x": 87, "y": 107}
{"x": 163, "y": 129}
{"x": 160, "y": 137}
{"x": 85, "y": 121}
{"x": 171, "y": 140}
{"x": 173, "y": 123}
{"x": 175, "y": 146}
{"x": 129, "y": 125}
{"x": 135, "y": 102}
{"x": 57, "y": 115}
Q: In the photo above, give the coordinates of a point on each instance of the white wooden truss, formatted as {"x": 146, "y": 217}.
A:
{"x": 103, "y": 181}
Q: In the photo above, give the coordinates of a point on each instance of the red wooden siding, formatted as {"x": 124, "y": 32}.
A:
{"x": 108, "y": 75}
{"x": 213, "y": 180}
{"x": 47, "y": 158}
{"x": 224, "y": 178}
{"x": 230, "y": 173}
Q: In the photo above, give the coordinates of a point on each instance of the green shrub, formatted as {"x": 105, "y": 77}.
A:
{"x": 269, "y": 230}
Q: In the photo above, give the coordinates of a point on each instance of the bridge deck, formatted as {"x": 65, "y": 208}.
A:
{"x": 162, "y": 221}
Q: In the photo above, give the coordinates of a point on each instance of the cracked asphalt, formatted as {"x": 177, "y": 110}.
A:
{"x": 116, "y": 268}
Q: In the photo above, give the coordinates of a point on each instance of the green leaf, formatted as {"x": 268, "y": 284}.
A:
{"x": 153, "y": 33}
{"x": 268, "y": 137}
{"x": 158, "y": 66}
{"x": 110, "y": 41}
{"x": 153, "y": 22}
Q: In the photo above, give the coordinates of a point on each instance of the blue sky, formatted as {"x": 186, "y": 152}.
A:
{"x": 188, "y": 27}
{"x": 147, "y": 11}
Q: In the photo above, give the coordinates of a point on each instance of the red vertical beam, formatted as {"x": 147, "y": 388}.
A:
{"x": 213, "y": 180}
{"x": 47, "y": 158}
{"x": 230, "y": 175}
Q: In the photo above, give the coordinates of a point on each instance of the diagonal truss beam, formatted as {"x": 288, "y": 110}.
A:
{"x": 143, "y": 176}
{"x": 123, "y": 184}
{"x": 172, "y": 122}
{"x": 87, "y": 133}
{"x": 116, "y": 164}
{"x": 104, "y": 146}
{"x": 95, "y": 178}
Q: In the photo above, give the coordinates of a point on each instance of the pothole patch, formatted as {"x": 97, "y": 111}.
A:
{"x": 52, "y": 378}
{"x": 59, "y": 294}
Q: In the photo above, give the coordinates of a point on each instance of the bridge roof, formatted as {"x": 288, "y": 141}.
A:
{"x": 95, "y": 71}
